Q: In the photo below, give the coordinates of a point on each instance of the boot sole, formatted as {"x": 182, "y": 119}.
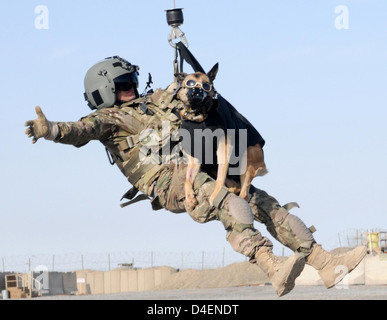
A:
{"x": 297, "y": 263}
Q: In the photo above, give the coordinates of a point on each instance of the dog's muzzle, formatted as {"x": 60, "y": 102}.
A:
{"x": 197, "y": 94}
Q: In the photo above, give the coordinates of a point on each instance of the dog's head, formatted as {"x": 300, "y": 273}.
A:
{"x": 197, "y": 93}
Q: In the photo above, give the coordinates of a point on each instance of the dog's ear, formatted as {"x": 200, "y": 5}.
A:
{"x": 180, "y": 76}
{"x": 213, "y": 72}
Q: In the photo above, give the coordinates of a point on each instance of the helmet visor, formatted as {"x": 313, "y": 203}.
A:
{"x": 127, "y": 80}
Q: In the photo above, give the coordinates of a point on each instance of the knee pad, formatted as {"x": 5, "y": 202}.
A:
{"x": 238, "y": 220}
{"x": 236, "y": 214}
{"x": 291, "y": 230}
{"x": 303, "y": 234}
{"x": 240, "y": 210}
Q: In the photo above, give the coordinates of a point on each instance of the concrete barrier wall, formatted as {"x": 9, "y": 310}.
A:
{"x": 357, "y": 276}
{"x": 81, "y": 282}
{"x": 69, "y": 282}
{"x": 111, "y": 282}
{"x": 376, "y": 270}
{"x": 95, "y": 282}
{"x": 309, "y": 276}
{"x": 129, "y": 280}
{"x": 371, "y": 271}
{"x": 121, "y": 280}
{"x": 55, "y": 283}
{"x": 162, "y": 274}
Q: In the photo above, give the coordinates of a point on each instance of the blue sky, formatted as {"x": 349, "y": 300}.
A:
{"x": 316, "y": 93}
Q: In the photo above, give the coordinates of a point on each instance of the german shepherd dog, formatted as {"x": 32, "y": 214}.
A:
{"x": 200, "y": 111}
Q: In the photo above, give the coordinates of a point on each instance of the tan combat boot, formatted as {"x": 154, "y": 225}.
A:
{"x": 282, "y": 275}
{"x": 326, "y": 263}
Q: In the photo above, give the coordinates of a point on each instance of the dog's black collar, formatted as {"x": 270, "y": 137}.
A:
{"x": 176, "y": 91}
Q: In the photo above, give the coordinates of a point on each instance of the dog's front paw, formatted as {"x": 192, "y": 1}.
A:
{"x": 211, "y": 200}
{"x": 191, "y": 201}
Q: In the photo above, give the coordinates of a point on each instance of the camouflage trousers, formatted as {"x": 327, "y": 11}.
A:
{"x": 243, "y": 237}
{"x": 288, "y": 229}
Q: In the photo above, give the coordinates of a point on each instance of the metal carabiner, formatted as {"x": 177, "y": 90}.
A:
{"x": 176, "y": 33}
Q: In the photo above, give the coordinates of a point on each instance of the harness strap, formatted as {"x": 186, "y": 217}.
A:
{"x": 289, "y": 206}
{"x": 139, "y": 198}
{"x": 220, "y": 196}
{"x": 312, "y": 229}
{"x": 129, "y": 142}
{"x": 130, "y": 194}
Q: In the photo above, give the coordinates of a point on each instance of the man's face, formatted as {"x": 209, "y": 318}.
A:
{"x": 126, "y": 96}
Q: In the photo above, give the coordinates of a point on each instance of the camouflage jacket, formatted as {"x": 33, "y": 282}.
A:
{"x": 134, "y": 133}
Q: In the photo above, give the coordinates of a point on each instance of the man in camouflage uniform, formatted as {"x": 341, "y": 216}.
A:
{"x": 131, "y": 126}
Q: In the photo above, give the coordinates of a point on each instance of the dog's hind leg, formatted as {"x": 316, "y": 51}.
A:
{"x": 255, "y": 167}
{"x": 223, "y": 157}
{"x": 193, "y": 169}
{"x": 233, "y": 186}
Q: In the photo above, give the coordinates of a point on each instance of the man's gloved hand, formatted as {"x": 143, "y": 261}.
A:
{"x": 41, "y": 127}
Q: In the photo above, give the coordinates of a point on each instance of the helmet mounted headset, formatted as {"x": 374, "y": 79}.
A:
{"x": 105, "y": 78}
